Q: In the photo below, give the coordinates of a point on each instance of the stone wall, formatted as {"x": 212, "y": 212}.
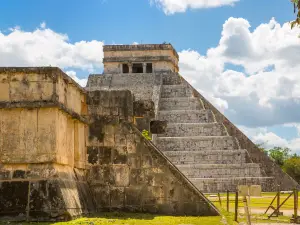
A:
{"x": 143, "y": 86}
{"x": 128, "y": 173}
{"x": 42, "y": 145}
{"x": 163, "y": 57}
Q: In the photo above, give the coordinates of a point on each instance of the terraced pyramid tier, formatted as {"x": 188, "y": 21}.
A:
{"x": 180, "y": 103}
{"x": 208, "y": 156}
{"x": 197, "y": 143}
{"x": 186, "y": 116}
{"x": 214, "y": 185}
{"x": 199, "y": 146}
{"x": 194, "y": 129}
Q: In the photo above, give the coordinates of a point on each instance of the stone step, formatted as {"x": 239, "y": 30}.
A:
{"x": 173, "y": 91}
{"x": 220, "y": 170}
{"x": 207, "y": 156}
{"x": 216, "y": 185}
{"x": 171, "y": 79}
{"x": 186, "y": 116}
{"x": 194, "y": 129}
{"x": 196, "y": 143}
{"x": 184, "y": 103}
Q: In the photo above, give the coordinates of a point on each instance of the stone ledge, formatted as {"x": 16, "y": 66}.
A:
{"x": 42, "y": 104}
{"x": 144, "y": 47}
{"x": 53, "y": 72}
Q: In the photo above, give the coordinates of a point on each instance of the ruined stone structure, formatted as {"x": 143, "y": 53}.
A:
{"x": 66, "y": 151}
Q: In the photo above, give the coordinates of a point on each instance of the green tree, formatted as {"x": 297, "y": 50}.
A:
{"x": 279, "y": 154}
{"x": 292, "y": 167}
{"x": 296, "y": 22}
{"x": 261, "y": 147}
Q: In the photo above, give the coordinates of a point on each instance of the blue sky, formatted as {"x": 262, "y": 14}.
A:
{"x": 135, "y": 20}
{"x": 243, "y": 70}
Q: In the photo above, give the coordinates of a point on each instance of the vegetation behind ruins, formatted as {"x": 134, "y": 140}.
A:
{"x": 288, "y": 161}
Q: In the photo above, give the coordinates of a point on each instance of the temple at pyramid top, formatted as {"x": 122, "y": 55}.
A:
{"x": 145, "y": 58}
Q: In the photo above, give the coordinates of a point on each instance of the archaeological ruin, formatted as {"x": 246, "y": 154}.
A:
{"x": 68, "y": 151}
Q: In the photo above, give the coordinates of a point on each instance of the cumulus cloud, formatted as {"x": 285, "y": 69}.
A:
{"x": 261, "y": 135}
{"x": 266, "y": 91}
{"x": 177, "y": 6}
{"x": 45, "y": 47}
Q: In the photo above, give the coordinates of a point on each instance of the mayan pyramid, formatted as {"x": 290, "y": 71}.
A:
{"x": 204, "y": 145}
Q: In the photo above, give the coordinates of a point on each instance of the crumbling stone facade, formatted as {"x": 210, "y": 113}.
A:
{"x": 66, "y": 152}
{"x": 127, "y": 172}
{"x": 43, "y": 129}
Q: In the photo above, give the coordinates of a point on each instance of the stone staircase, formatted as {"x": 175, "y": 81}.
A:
{"x": 199, "y": 146}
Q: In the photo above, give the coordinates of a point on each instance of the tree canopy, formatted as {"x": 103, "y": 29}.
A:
{"x": 290, "y": 163}
{"x": 296, "y": 22}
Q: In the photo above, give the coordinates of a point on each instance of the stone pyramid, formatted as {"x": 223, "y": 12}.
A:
{"x": 203, "y": 144}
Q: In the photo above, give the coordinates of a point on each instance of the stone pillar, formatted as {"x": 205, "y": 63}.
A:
{"x": 130, "y": 67}
{"x": 144, "y": 67}
{"x": 121, "y": 68}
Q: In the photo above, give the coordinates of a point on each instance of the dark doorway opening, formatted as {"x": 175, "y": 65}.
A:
{"x": 149, "y": 68}
{"x": 137, "y": 68}
{"x": 125, "y": 68}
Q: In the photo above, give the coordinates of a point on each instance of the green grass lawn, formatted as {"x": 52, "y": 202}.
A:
{"x": 256, "y": 202}
{"x": 226, "y": 218}
{"x": 138, "y": 219}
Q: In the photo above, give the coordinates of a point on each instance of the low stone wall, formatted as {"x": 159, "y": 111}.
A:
{"x": 128, "y": 173}
{"x": 42, "y": 145}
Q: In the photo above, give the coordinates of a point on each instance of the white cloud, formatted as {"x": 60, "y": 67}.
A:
{"x": 267, "y": 91}
{"x": 44, "y": 47}
{"x": 261, "y": 135}
{"x": 176, "y": 6}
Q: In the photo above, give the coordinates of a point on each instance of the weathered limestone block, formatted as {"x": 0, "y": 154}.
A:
{"x": 220, "y": 170}
{"x": 194, "y": 129}
{"x": 186, "y": 116}
{"x": 44, "y": 193}
{"x": 171, "y": 79}
{"x": 39, "y": 136}
{"x": 37, "y": 86}
{"x": 196, "y": 143}
{"x": 158, "y": 126}
{"x": 143, "y": 108}
{"x": 207, "y": 156}
{"x": 176, "y": 91}
{"x": 187, "y": 103}
{"x": 141, "y": 85}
